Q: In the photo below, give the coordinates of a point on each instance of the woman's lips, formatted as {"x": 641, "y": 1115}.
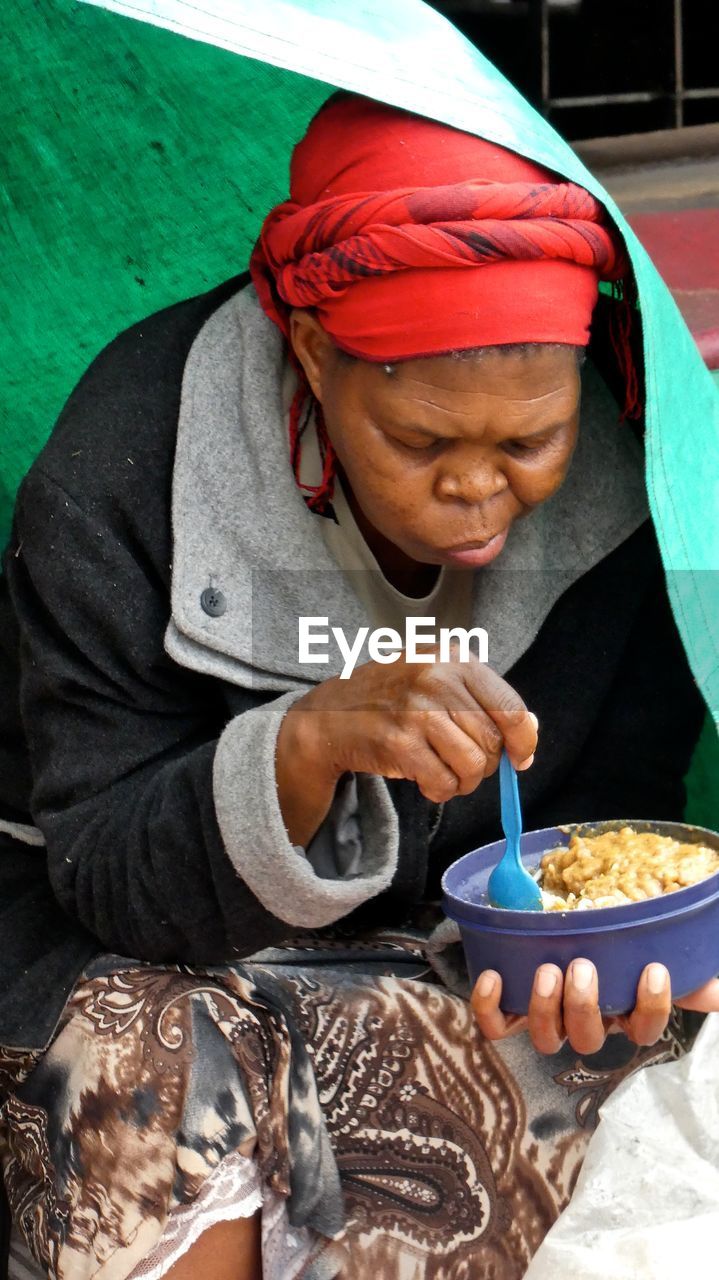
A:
{"x": 472, "y": 555}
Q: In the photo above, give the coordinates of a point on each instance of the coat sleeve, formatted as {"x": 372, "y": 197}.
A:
{"x": 133, "y": 758}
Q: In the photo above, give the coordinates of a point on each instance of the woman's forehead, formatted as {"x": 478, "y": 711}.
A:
{"x": 445, "y": 383}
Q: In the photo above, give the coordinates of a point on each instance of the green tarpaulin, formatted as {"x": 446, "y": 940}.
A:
{"x": 137, "y": 165}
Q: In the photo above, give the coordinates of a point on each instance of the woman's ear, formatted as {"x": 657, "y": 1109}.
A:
{"x": 312, "y": 346}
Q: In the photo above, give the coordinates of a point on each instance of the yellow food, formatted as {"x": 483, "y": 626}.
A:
{"x": 621, "y": 866}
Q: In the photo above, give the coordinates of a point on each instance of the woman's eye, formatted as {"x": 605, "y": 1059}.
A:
{"x": 525, "y": 448}
{"x": 417, "y": 446}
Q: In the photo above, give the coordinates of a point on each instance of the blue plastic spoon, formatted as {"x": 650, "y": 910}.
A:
{"x": 510, "y": 884}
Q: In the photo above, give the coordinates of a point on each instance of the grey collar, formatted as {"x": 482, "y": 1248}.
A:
{"x": 241, "y": 527}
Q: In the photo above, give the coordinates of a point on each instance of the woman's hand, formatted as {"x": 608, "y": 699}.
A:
{"x": 441, "y": 724}
{"x": 566, "y": 1007}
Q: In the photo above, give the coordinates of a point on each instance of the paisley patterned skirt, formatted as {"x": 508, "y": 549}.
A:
{"x": 337, "y": 1086}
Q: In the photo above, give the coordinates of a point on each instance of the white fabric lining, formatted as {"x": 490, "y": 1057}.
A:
{"x": 22, "y": 831}
{"x": 233, "y": 1191}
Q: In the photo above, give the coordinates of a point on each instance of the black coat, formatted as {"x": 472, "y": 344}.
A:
{"x": 107, "y": 745}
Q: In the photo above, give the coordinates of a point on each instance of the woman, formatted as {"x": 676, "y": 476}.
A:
{"x": 227, "y": 1048}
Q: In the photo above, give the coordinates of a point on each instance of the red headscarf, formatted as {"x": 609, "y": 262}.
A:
{"x": 391, "y": 216}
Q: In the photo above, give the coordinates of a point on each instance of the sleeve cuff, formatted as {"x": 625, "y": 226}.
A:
{"x": 356, "y": 847}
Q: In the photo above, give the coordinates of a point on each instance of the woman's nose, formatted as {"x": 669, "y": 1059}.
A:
{"x": 471, "y": 482}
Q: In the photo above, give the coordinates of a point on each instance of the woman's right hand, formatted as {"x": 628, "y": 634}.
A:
{"x": 441, "y": 724}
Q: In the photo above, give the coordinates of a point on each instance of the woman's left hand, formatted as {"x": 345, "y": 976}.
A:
{"x": 566, "y": 1007}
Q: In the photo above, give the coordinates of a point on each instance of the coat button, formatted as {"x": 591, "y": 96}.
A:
{"x": 213, "y": 602}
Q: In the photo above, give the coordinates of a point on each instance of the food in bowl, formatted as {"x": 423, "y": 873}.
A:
{"x": 680, "y": 930}
{"x": 620, "y": 866}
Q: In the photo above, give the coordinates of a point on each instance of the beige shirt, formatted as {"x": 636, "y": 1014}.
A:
{"x": 449, "y": 602}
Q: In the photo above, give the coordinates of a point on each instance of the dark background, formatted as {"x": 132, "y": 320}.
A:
{"x": 598, "y": 48}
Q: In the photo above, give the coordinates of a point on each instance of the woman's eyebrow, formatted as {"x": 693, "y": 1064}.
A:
{"x": 549, "y": 429}
{"x": 414, "y": 428}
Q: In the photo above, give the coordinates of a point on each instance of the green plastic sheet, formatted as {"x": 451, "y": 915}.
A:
{"x": 137, "y": 165}
{"x": 136, "y": 168}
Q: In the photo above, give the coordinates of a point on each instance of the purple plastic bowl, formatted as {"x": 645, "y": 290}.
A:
{"x": 679, "y": 929}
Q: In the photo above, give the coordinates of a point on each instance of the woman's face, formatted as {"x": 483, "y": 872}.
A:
{"x": 442, "y": 455}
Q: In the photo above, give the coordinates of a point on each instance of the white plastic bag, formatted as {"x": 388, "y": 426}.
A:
{"x": 646, "y": 1204}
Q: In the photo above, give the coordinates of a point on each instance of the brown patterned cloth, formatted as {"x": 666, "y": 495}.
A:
{"x": 399, "y": 1141}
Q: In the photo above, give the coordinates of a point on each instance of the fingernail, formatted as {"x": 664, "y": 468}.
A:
{"x": 656, "y": 979}
{"x": 545, "y": 983}
{"x": 486, "y": 984}
{"x": 582, "y": 975}
{"x": 534, "y": 719}
{"x": 525, "y": 763}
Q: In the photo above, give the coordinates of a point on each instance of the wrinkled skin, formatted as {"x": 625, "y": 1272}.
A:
{"x": 440, "y": 452}
{"x": 438, "y": 458}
